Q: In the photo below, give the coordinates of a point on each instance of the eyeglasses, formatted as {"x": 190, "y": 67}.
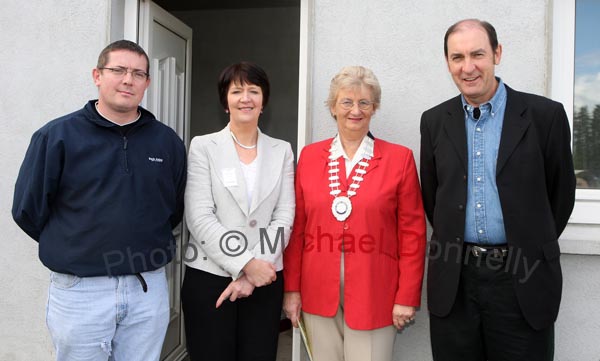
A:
{"x": 121, "y": 72}
{"x": 363, "y": 104}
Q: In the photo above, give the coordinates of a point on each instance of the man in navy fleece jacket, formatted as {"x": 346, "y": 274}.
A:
{"x": 101, "y": 189}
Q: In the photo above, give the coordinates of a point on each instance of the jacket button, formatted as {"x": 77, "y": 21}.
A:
{"x": 461, "y": 207}
{"x": 252, "y": 223}
{"x": 465, "y": 177}
{"x": 457, "y": 239}
{"x": 346, "y": 226}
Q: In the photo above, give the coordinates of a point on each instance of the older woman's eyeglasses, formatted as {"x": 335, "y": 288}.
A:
{"x": 363, "y": 104}
{"x": 121, "y": 72}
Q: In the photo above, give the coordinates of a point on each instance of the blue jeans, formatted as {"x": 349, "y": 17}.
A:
{"x": 108, "y": 318}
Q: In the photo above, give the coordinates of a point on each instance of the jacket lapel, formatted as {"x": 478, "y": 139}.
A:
{"x": 513, "y": 127}
{"x": 455, "y": 128}
{"x": 374, "y": 161}
{"x": 270, "y": 161}
{"x": 341, "y": 167}
{"x": 228, "y": 168}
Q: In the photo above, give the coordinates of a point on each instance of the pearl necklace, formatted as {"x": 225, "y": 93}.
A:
{"x": 240, "y": 144}
{"x": 341, "y": 207}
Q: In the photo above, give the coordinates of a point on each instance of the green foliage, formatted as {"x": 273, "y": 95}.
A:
{"x": 586, "y": 145}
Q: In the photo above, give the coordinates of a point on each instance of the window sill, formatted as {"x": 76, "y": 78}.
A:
{"x": 581, "y": 239}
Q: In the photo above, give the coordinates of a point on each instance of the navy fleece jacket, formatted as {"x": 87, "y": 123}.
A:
{"x": 99, "y": 202}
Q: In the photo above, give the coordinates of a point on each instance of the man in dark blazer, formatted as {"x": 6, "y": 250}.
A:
{"x": 498, "y": 190}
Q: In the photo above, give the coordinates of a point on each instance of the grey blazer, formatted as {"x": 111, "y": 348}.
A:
{"x": 225, "y": 231}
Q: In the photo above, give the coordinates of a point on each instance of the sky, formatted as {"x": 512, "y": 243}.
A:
{"x": 587, "y": 53}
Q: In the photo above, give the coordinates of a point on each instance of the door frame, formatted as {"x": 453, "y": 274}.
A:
{"x": 305, "y": 75}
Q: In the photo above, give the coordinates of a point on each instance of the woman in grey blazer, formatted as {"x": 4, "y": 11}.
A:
{"x": 239, "y": 204}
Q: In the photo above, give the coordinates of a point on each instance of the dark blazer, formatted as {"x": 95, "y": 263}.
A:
{"x": 536, "y": 186}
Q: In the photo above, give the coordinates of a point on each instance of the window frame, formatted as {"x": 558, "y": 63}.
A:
{"x": 584, "y": 224}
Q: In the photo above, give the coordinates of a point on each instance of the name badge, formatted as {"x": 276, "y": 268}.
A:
{"x": 229, "y": 178}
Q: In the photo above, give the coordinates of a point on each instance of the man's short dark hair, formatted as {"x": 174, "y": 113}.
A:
{"x": 243, "y": 73}
{"x": 489, "y": 29}
{"x": 103, "y": 58}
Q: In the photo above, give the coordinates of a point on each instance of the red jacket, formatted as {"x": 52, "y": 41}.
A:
{"x": 384, "y": 238}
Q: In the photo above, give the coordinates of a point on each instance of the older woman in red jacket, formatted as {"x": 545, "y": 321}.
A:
{"x": 354, "y": 264}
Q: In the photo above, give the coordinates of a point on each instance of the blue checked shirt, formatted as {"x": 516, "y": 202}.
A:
{"x": 484, "y": 223}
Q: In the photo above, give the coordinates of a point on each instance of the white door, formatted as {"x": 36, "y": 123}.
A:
{"x": 168, "y": 42}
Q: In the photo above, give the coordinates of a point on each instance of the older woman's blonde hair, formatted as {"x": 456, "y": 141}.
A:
{"x": 351, "y": 77}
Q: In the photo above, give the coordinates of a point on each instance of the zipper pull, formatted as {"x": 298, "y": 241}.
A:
{"x": 125, "y": 163}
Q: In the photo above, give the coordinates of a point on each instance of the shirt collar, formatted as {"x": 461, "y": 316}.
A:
{"x": 139, "y": 115}
{"x": 495, "y": 103}
{"x": 365, "y": 149}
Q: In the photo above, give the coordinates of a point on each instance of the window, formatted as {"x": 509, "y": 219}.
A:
{"x": 576, "y": 84}
{"x": 586, "y": 94}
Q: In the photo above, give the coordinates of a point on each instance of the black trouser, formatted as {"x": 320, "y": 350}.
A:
{"x": 244, "y": 330}
{"x": 486, "y": 322}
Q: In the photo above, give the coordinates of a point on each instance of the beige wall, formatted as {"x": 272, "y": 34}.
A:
{"x": 47, "y": 52}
